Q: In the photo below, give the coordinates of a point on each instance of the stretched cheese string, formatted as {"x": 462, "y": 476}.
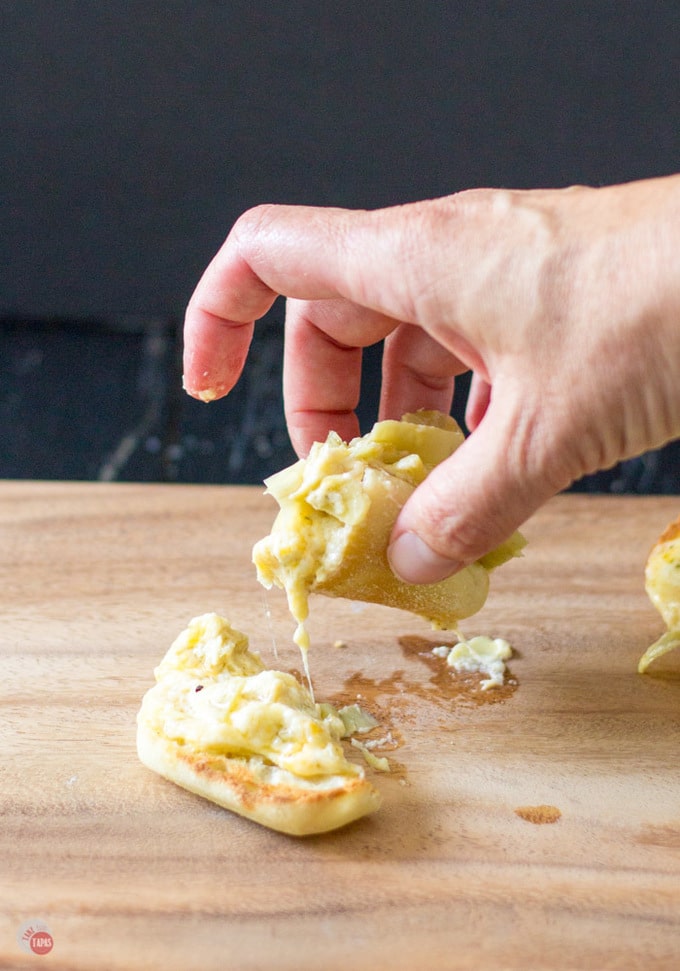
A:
{"x": 301, "y": 638}
{"x": 298, "y": 604}
{"x": 270, "y": 626}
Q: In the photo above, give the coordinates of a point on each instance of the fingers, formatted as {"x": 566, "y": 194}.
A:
{"x": 417, "y": 373}
{"x": 215, "y": 351}
{"x": 322, "y": 367}
{"x": 218, "y": 324}
{"x": 305, "y": 253}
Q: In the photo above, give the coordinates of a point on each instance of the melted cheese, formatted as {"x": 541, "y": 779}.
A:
{"x": 215, "y": 695}
{"x": 479, "y": 655}
{"x": 662, "y": 583}
{"x": 320, "y": 498}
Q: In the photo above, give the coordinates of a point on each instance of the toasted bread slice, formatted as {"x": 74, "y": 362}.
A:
{"x": 662, "y": 583}
{"x": 337, "y": 510}
{"x": 247, "y": 738}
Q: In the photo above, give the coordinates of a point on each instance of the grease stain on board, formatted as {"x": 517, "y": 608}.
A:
{"x": 433, "y": 693}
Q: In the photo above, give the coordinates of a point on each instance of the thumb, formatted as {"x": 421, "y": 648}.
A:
{"x": 475, "y": 499}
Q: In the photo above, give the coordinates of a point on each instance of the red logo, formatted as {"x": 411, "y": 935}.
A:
{"x": 34, "y": 937}
{"x": 41, "y": 942}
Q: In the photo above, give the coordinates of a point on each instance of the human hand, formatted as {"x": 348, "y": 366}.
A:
{"x": 564, "y": 303}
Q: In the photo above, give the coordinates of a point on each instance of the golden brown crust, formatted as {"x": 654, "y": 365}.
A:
{"x": 297, "y": 808}
{"x": 672, "y": 531}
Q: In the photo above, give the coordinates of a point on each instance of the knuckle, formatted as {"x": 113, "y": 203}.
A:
{"x": 251, "y": 228}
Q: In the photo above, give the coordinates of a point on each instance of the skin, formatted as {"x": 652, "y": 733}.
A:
{"x": 565, "y": 305}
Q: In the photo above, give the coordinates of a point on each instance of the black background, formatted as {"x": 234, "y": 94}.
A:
{"x": 134, "y": 133}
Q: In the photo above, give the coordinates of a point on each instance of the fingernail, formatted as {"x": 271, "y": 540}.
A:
{"x": 413, "y": 561}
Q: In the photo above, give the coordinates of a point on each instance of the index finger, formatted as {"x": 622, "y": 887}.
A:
{"x": 303, "y": 252}
{"x": 218, "y": 324}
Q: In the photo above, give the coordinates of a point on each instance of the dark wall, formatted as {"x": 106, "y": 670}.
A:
{"x": 134, "y": 132}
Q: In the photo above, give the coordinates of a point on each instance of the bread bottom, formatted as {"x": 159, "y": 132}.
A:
{"x": 259, "y": 791}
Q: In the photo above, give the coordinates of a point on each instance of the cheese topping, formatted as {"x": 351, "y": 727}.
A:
{"x": 215, "y": 695}
{"x": 483, "y": 655}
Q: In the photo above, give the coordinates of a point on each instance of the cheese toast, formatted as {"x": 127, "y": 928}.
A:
{"x": 250, "y": 739}
{"x": 337, "y": 510}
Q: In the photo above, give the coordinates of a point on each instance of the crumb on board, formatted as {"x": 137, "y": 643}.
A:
{"x": 539, "y": 814}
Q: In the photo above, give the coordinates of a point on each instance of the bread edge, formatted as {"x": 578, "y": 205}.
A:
{"x": 232, "y": 784}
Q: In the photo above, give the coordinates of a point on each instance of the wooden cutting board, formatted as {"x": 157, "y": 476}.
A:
{"x": 538, "y": 827}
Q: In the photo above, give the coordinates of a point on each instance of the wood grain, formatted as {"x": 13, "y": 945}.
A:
{"x": 455, "y": 871}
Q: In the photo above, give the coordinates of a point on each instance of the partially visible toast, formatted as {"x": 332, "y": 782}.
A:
{"x": 337, "y": 510}
{"x": 662, "y": 583}
{"x": 671, "y": 532}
